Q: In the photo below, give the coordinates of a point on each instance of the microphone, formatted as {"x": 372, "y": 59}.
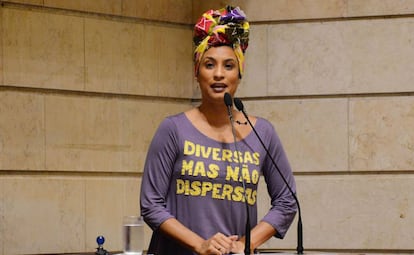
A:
{"x": 229, "y": 103}
{"x": 299, "y": 249}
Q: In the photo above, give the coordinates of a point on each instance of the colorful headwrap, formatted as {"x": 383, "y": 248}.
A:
{"x": 226, "y": 26}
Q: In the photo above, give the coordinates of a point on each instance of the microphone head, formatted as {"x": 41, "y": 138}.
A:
{"x": 227, "y": 100}
{"x": 238, "y": 103}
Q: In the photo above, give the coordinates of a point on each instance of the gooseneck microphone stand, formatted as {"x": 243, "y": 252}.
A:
{"x": 299, "y": 249}
{"x": 229, "y": 103}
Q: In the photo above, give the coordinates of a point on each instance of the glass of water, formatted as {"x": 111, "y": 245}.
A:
{"x": 133, "y": 235}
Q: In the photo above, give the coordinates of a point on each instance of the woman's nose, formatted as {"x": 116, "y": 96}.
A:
{"x": 219, "y": 72}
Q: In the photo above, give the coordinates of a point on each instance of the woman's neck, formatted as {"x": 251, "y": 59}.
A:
{"x": 215, "y": 115}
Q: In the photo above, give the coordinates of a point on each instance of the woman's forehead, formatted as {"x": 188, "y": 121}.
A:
{"x": 220, "y": 52}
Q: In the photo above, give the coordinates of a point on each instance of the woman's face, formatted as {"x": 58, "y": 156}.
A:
{"x": 218, "y": 73}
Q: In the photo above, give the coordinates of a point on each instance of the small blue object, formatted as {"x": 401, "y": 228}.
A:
{"x": 100, "y": 240}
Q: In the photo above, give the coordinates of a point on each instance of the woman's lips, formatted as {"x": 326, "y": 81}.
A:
{"x": 218, "y": 87}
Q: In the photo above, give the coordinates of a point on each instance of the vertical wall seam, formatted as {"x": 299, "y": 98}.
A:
{"x": 348, "y": 133}
{"x": 84, "y": 54}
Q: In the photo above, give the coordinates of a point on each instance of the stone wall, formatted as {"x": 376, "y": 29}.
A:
{"x": 84, "y": 84}
{"x": 83, "y": 87}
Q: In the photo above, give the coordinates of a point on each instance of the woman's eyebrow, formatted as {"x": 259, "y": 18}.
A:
{"x": 225, "y": 60}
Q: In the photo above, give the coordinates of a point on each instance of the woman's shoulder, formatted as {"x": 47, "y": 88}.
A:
{"x": 172, "y": 121}
{"x": 178, "y": 117}
{"x": 263, "y": 123}
{"x": 266, "y": 128}
{"x": 173, "y": 126}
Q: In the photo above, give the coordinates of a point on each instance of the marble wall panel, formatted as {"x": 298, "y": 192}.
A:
{"x": 1, "y": 45}
{"x": 358, "y": 56}
{"x": 254, "y": 81}
{"x": 115, "y": 58}
{"x": 379, "y": 7}
{"x": 382, "y": 54}
{"x": 2, "y": 210}
{"x": 313, "y": 132}
{"x": 43, "y": 50}
{"x": 177, "y": 11}
{"x": 265, "y": 10}
{"x": 308, "y": 58}
{"x": 43, "y": 215}
{"x": 83, "y": 134}
{"x": 382, "y": 134}
{"x": 101, "y": 134}
{"x": 139, "y": 59}
{"x": 113, "y": 7}
{"x": 33, "y": 2}
{"x": 151, "y": 60}
{"x": 22, "y": 131}
{"x": 104, "y": 210}
{"x": 352, "y": 212}
{"x": 107, "y": 201}
{"x": 175, "y": 71}
{"x": 164, "y": 10}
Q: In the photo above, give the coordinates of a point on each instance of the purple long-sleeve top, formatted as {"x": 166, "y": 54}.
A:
{"x": 200, "y": 182}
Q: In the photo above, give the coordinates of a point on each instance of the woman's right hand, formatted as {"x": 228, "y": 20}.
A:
{"x": 218, "y": 244}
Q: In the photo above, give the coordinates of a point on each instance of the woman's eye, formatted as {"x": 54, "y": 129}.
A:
{"x": 209, "y": 65}
{"x": 229, "y": 66}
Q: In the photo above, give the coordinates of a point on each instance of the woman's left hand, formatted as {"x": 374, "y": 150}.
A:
{"x": 237, "y": 247}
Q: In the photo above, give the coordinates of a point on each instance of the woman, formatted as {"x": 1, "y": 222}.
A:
{"x": 196, "y": 180}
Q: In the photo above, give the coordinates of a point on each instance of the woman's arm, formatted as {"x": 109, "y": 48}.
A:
{"x": 262, "y": 232}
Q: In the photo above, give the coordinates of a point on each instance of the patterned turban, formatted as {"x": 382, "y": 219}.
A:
{"x": 226, "y": 26}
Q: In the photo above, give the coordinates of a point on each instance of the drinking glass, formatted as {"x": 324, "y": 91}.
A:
{"x": 133, "y": 235}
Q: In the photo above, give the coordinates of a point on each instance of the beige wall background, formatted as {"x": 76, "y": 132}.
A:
{"x": 84, "y": 84}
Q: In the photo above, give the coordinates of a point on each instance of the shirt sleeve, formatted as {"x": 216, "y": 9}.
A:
{"x": 158, "y": 169}
{"x": 283, "y": 204}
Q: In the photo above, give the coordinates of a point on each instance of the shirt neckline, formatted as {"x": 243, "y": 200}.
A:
{"x": 244, "y": 139}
